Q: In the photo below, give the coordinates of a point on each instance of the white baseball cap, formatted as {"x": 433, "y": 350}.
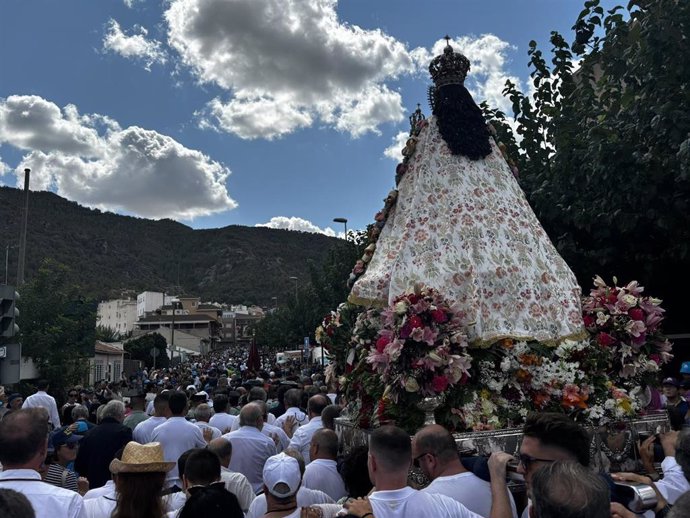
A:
{"x": 282, "y": 469}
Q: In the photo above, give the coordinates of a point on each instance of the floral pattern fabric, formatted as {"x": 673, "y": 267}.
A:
{"x": 465, "y": 228}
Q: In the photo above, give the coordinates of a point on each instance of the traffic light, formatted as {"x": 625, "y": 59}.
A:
{"x": 8, "y": 312}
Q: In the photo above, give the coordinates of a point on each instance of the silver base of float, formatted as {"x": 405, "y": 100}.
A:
{"x": 482, "y": 444}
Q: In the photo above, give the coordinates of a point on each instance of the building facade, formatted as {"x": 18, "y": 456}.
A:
{"x": 117, "y": 315}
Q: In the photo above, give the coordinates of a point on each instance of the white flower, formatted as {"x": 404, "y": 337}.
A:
{"x": 602, "y": 318}
{"x": 505, "y": 364}
{"x": 401, "y": 307}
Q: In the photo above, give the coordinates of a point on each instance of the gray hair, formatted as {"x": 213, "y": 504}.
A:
{"x": 202, "y": 412}
{"x": 250, "y": 415}
{"x": 566, "y": 489}
{"x": 80, "y": 412}
{"x": 114, "y": 409}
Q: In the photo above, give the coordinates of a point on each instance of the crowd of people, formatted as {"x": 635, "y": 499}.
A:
{"x": 210, "y": 437}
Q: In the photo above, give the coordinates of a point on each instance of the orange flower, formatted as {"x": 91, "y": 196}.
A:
{"x": 507, "y": 343}
{"x": 540, "y": 399}
{"x": 523, "y": 376}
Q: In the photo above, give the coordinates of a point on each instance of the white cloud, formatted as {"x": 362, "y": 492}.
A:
{"x": 299, "y": 224}
{"x": 394, "y": 151}
{"x": 291, "y": 54}
{"x": 91, "y": 160}
{"x": 136, "y": 46}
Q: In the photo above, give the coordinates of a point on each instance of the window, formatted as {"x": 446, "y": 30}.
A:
{"x": 117, "y": 370}
{"x": 98, "y": 370}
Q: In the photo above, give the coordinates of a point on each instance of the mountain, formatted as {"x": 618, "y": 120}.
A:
{"x": 109, "y": 253}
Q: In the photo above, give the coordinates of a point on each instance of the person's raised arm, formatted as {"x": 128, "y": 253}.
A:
{"x": 500, "y": 498}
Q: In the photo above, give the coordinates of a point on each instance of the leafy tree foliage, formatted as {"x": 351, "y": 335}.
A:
{"x": 604, "y": 148}
{"x": 140, "y": 349}
{"x": 286, "y": 327}
{"x": 57, "y": 326}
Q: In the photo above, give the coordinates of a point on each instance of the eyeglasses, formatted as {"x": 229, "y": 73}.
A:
{"x": 415, "y": 461}
{"x": 527, "y": 460}
{"x": 71, "y": 445}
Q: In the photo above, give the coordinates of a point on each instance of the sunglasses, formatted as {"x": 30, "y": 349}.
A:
{"x": 527, "y": 460}
{"x": 70, "y": 445}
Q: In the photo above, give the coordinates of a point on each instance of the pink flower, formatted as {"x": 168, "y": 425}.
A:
{"x": 635, "y": 328}
{"x": 439, "y": 383}
{"x": 417, "y": 334}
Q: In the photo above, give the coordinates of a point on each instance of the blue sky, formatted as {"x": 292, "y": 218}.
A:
{"x": 223, "y": 112}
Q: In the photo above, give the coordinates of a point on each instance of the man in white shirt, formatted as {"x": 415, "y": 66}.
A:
{"x": 322, "y": 471}
{"x": 42, "y": 399}
{"x": 390, "y": 454}
{"x": 301, "y": 440}
{"x": 221, "y": 419}
{"x": 292, "y": 401}
{"x": 177, "y": 435}
{"x": 250, "y": 447}
{"x": 143, "y": 431}
{"x": 676, "y": 463}
{"x": 202, "y": 414}
{"x": 434, "y": 451}
{"x": 305, "y": 497}
{"x": 236, "y": 483}
{"x": 23, "y": 448}
{"x": 257, "y": 395}
{"x": 278, "y": 436}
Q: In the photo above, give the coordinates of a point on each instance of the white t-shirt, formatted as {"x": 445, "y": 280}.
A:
{"x": 143, "y": 431}
{"x": 468, "y": 489}
{"x": 239, "y": 486}
{"x": 250, "y": 449}
{"x": 305, "y": 498}
{"x": 223, "y": 421}
{"x": 100, "y": 507}
{"x": 177, "y": 435}
{"x": 322, "y": 474}
{"x": 410, "y": 502}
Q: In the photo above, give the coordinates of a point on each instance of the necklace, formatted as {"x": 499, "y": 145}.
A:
{"x": 616, "y": 455}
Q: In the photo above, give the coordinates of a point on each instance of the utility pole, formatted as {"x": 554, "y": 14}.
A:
{"x": 25, "y": 225}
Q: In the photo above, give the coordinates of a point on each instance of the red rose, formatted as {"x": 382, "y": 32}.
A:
{"x": 439, "y": 316}
{"x": 588, "y": 320}
{"x": 605, "y": 339}
{"x": 439, "y": 383}
{"x": 415, "y": 322}
{"x": 636, "y": 314}
{"x": 381, "y": 344}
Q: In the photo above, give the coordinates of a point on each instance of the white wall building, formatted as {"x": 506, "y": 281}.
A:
{"x": 107, "y": 363}
{"x": 148, "y": 301}
{"x": 117, "y": 315}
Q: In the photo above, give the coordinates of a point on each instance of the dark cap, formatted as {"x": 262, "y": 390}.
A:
{"x": 671, "y": 381}
{"x": 63, "y": 436}
{"x": 14, "y": 396}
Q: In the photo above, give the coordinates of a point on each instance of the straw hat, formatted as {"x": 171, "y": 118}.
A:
{"x": 141, "y": 458}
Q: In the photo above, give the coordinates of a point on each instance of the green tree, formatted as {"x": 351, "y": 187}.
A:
{"x": 57, "y": 326}
{"x": 604, "y": 148}
{"x": 287, "y": 326}
{"x": 140, "y": 349}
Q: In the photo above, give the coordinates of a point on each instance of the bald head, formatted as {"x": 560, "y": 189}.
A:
{"x": 251, "y": 415}
{"x": 316, "y": 405}
{"x": 324, "y": 445}
{"x": 438, "y": 441}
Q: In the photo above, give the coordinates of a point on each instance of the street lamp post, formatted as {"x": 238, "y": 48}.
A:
{"x": 344, "y": 222}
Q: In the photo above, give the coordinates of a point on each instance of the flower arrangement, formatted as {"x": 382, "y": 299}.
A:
{"x": 420, "y": 350}
{"x": 418, "y": 347}
{"x": 626, "y": 324}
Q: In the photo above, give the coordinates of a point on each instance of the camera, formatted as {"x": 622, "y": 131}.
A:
{"x": 638, "y": 498}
